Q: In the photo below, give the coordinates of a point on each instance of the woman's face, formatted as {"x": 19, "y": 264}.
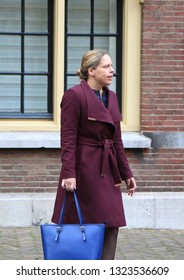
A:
{"x": 102, "y": 75}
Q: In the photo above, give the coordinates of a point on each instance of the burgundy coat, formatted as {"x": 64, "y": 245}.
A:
{"x": 92, "y": 151}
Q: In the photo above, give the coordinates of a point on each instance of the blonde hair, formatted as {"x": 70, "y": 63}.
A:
{"x": 90, "y": 59}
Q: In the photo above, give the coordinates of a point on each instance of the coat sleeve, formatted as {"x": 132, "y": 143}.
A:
{"x": 123, "y": 166}
{"x": 122, "y": 161}
{"x": 70, "y": 114}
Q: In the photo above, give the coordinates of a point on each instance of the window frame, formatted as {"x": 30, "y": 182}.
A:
{"x": 131, "y": 71}
{"x": 131, "y": 65}
{"x": 22, "y": 73}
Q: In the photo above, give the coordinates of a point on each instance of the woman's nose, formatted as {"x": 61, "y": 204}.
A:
{"x": 112, "y": 69}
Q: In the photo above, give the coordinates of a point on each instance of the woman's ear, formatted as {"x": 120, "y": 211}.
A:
{"x": 91, "y": 72}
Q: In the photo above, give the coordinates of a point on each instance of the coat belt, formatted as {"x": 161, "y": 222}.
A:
{"x": 108, "y": 154}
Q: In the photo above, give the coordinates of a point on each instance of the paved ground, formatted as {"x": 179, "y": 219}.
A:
{"x": 133, "y": 244}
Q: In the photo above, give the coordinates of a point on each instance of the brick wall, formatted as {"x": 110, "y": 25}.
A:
{"x": 29, "y": 170}
{"x": 162, "y": 72}
{"x": 157, "y": 169}
{"x": 37, "y": 170}
{"x": 162, "y": 97}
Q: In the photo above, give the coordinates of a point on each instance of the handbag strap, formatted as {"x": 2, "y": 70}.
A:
{"x": 61, "y": 218}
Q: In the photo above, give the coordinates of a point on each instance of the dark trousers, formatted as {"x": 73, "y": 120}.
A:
{"x": 110, "y": 242}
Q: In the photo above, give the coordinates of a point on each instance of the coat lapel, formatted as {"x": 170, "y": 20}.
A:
{"x": 96, "y": 110}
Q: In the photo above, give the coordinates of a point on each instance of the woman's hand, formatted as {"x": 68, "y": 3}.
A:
{"x": 69, "y": 184}
{"x": 131, "y": 186}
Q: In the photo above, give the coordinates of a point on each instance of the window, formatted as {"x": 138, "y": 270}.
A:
{"x": 111, "y": 24}
{"x": 26, "y": 59}
{"x": 93, "y": 24}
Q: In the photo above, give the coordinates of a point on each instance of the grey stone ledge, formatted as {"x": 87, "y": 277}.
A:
{"x": 172, "y": 140}
{"x": 135, "y": 140}
{"x": 52, "y": 140}
{"x": 29, "y": 139}
{"x": 143, "y": 210}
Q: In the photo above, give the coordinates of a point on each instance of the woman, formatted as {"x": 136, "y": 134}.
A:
{"x": 93, "y": 157}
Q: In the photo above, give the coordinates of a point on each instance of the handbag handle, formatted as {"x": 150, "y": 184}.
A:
{"x": 61, "y": 218}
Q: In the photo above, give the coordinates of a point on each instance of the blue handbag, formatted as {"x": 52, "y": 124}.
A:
{"x": 72, "y": 241}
